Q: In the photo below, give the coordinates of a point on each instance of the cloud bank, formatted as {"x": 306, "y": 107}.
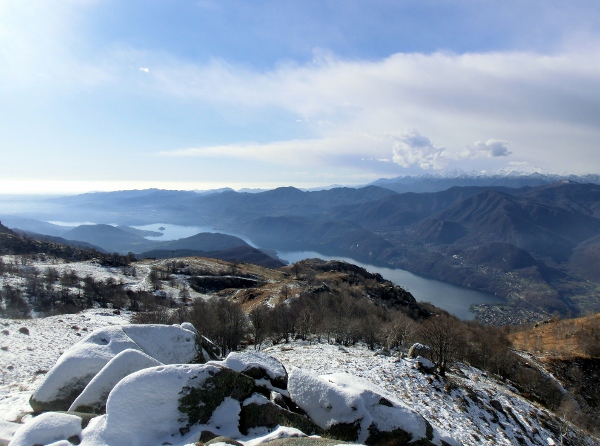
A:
{"x": 330, "y": 117}
{"x": 534, "y": 101}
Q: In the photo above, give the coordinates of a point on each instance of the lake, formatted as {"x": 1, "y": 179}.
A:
{"x": 452, "y": 298}
{"x": 176, "y": 232}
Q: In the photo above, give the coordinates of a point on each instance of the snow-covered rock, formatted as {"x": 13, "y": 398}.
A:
{"x": 168, "y": 344}
{"x": 354, "y": 409}
{"x": 424, "y": 365}
{"x": 419, "y": 350}
{"x": 173, "y": 404}
{"x": 93, "y": 398}
{"x": 7, "y": 430}
{"x": 263, "y": 368}
{"x": 77, "y": 366}
{"x": 48, "y": 428}
{"x": 80, "y": 363}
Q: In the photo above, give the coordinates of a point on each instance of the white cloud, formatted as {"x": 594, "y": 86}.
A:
{"x": 538, "y": 102}
{"x": 541, "y": 103}
{"x": 413, "y": 148}
{"x": 493, "y": 148}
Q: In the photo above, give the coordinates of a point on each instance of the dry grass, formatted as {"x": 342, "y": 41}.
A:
{"x": 566, "y": 338}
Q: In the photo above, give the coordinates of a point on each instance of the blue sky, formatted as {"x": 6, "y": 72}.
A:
{"x": 105, "y": 95}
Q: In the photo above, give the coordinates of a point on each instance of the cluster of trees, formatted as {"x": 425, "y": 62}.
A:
{"x": 51, "y": 291}
{"x": 348, "y": 319}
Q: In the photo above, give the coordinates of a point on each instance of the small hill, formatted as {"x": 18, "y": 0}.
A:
{"x": 141, "y": 232}
{"x": 503, "y": 256}
{"x": 237, "y": 254}
{"x": 5, "y": 230}
{"x": 440, "y": 232}
{"x": 60, "y": 240}
{"x": 205, "y": 241}
{"x": 14, "y": 243}
{"x": 570, "y": 350}
{"x": 32, "y": 225}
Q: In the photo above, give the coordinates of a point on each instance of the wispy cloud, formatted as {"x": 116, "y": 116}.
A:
{"x": 408, "y": 110}
{"x": 451, "y": 98}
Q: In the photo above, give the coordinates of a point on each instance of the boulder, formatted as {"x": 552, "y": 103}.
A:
{"x": 353, "y": 409}
{"x": 258, "y": 412}
{"x": 93, "y": 398}
{"x": 48, "y": 428}
{"x": 424, "y": 365}
{"x": 223, "y": 440}
{"x": 497, "y": 405}
{"x": 79, "y": 364}
{"x": 172, "y": 404}
{"x": 267, "y": 371}
{"x": 419, "y": 350}
{"x": 207, "y": 350}
{"x": 279, "y": 399}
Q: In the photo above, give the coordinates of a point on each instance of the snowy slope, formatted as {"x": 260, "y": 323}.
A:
{"x": 472, "y": 408}
{"x": 463, "y": 409}
{"x": 25, "y": 358}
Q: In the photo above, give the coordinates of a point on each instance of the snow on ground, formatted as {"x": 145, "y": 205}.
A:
{"x": 135, "y": 282}
{"x": 463, "y": 409}
{"x": 465, "y": 412}
{"x": 25, "y": 358}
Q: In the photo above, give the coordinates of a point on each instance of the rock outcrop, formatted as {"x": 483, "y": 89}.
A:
{"x": 79, "y": 365}
{"x": 136, "y": 377}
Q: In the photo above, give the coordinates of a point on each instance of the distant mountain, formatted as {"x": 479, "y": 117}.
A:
{"x": 301, "y": 234}
{"x": 237, "y": 207}
{"x": 226, "y": 208}
{"x": 585, "y": 260}
{"x": 32, "y": 225}
{"x": 529, "y": 238}
{"x": 584, "y": 198}
{"x": 446, "y": 180}
{"x": 542, "y": 228}
{"x": 398, "y": 210}
{"x": 60, "y": 240}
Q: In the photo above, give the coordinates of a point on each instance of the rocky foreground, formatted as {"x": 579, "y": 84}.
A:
{"x": 157, "y": 384}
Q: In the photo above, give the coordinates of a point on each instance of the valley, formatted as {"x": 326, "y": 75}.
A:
{"x": 301, "y": 314}
{"x": 535, "y": 248}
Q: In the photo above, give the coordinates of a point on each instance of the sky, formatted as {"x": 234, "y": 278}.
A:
{"x": 112, "y": 94}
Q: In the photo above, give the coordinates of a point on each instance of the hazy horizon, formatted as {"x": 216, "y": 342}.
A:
{"x": 107, "y": 95}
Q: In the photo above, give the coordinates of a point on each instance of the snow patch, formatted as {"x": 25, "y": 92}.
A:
{"x": 96, "y": 392}
{"x": 47, "y": 428}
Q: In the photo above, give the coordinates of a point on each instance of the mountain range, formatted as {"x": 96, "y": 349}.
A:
{"x": 536, "y": 246}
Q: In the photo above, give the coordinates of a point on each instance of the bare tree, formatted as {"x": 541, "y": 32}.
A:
{"x": 400, "y": 331}
{"x": 444, "y": 336}
{"x": 259, "y": 319}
